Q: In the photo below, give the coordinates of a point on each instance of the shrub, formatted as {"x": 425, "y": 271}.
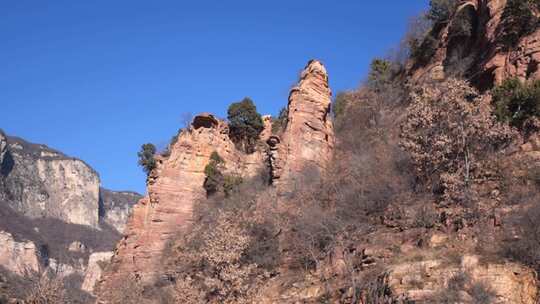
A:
{"x": 46, "y": 289}
{"x": 216, "y": 180}
{"x": 340, "y": 104}
{"x": 212, "y": 171}
{"x": 245, "y": 124}
{"x": 518, "y": 20}
{"x": 146, "y": 157}
{"x": 449, "y": 133}
{"x": 525, "y": 235}
{"x": 462, "y": 25}
{"x": 380, "y": 73}
{"x": 517, "y": 102}
{"x": 230, "y": 183}
{"x": 440, "y": 11}
{"x": 280, "y": 123}
{"x": 422, "y": 51}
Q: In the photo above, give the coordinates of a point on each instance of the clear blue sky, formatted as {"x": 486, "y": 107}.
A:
{"x": 96, "y": 79}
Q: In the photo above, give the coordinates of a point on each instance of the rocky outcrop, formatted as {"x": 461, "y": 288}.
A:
{"x": 437, "y": 281}
{"x": 40, "y": 182}
{"x": 308, "y": 140}
{"x": 54, "y": 213}
{"x": 173, "y": 189}
{"x": 480, "y": 53}
{"x": 115, "y": 207}
{"x": 3, "y": 148}
{"x": 176, "y": 185}
{"x": 21, "y": 258}
{"x": 94, "y": 269}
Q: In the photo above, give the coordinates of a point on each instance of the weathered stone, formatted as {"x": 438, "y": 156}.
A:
{"x": 308, "y": 140}
{"x": 482, "y": 52}
{"x": 426, "y": 280}
{"x": 116, "y": 206}
{"x": 77, "y": 246}
{"x": 3, "y": 147}
{"x": 204, "y": 120}
{"x": 95, "y": 269}
{"x": 18, "y": 257}
{"x": 173, "y": 189}
{"x": 176, "y": 184}
{"x": 37, "y": 182}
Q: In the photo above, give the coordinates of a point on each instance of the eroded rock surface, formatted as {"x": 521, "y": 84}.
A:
{"x": 18, "y": 257}
{"x": 308, "y": 140}
{"x": 40, "y": 182}
{"x": 481, "y": 51}
{"x": 438, "y": 280}
{"x": 177, "y": 182}
{"x": 115, "y": 207}
{"x": 94, "y": 269}
{"x": 173, "y": 189}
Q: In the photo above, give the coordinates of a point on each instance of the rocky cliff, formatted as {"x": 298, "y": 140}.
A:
{"x": 308, "y": 139}
{"x": 177, "y": 182}
{"x": 470, "y": 43}
{"x": 40, "y": 182}
{"x": 54, "y": 213}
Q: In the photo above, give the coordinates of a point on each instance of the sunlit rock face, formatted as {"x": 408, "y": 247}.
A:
{"x": 40, "y": 182}
{"x": 173, "y": 188}
{"x": 177, "y": 182}
{"x": 19, "y": 257}
{"x": 115, "y": 207}
{"x": 308, "y": 140}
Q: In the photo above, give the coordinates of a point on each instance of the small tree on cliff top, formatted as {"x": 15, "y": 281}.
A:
{"x": 146, "y": 157}
{"x": 245, "y": 124}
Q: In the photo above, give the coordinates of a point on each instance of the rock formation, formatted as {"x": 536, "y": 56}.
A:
{"x": 176, "y": 184}
{"x": 426, "y": 281}
{"x": 115, "y": 207}
{"x": 308, "y": 139}
{"x": 54, "y": 213}
{"x": 35, "y": 179}
{"x": 481, "y": 52}
{"x": 94, "y": 270}
{"x": 18, "y": 257}
{"x": 173, "y": 189}
{"x": 39, "y": 182}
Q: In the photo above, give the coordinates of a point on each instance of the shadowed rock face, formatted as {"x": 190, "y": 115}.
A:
{"x": 482, "y": 52}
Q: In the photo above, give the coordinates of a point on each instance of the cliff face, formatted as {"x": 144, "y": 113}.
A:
{"x": 173, "y": 187}
{"x": 54, "y": 213}
{"x": 481, "y": 52}
{"x": 177, "y": 182}
{"x": 115, "y": 207}
{"x": 40, "y": 182}
{"x": 308, "y": 140}
{"x": 18, "y": 257}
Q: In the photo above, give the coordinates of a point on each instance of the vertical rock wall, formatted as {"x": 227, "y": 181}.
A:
{"x": 174, "y": 187}
{"x": 307, "y": 143}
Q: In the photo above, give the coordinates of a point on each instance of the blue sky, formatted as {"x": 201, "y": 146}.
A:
{"x": 96, "y": 79}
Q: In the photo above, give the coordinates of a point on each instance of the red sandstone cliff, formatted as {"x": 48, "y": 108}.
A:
{"x": 177, "y": 182}
{"x": 481, "y": 53}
